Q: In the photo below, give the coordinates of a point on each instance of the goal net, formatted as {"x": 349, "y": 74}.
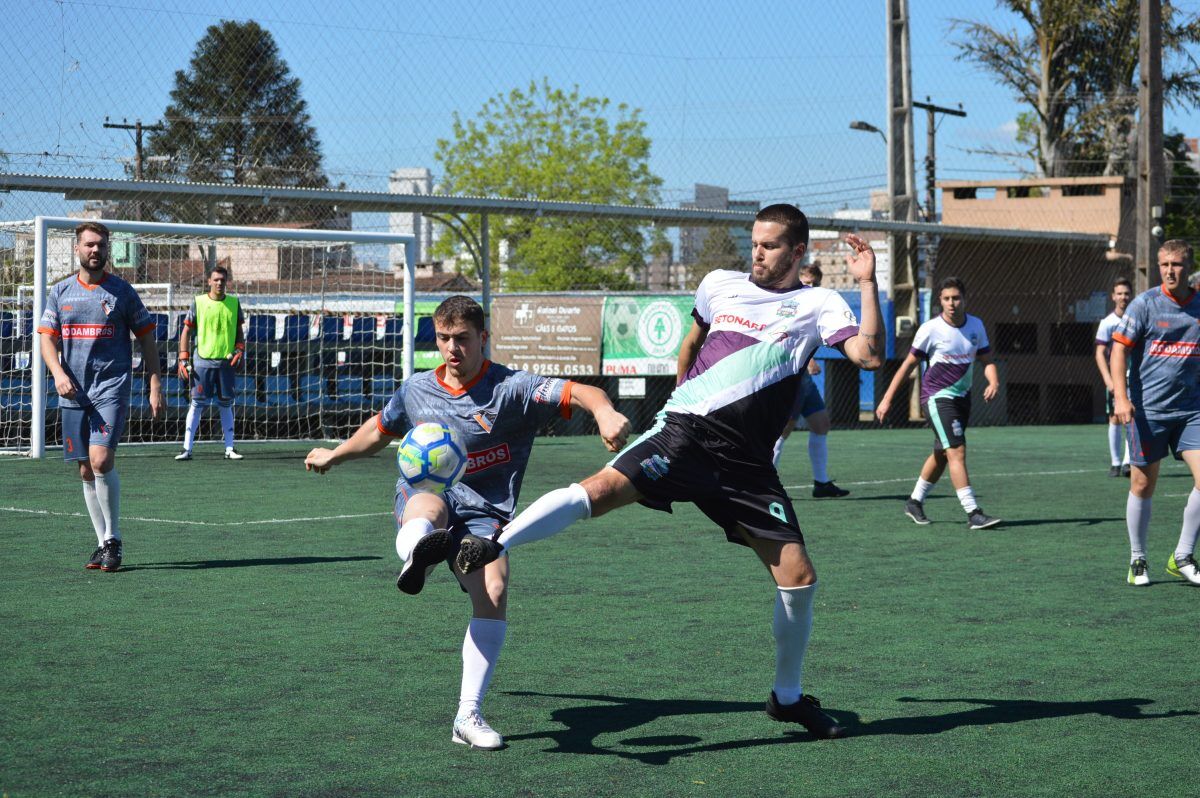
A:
{"x": 325, "y": 325}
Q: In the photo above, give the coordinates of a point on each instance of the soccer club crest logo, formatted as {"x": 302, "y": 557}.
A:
{"x": 786, "y": 309}
{"x": 105, "y": 307}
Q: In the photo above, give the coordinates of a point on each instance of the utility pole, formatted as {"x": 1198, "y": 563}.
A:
{"x": 137, "y": 128}
{"x": 1151, "y": 172}
{"x": 931, "y": 112}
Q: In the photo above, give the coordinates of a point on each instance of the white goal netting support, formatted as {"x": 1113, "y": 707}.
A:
{"x": 331, "y": 326}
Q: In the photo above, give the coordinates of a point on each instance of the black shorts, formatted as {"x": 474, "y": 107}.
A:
{"x": 948, "y": 415}
{"x": 678, "y": 460}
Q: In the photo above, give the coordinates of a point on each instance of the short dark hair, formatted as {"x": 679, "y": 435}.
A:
{"x": 952, "y": 282}
{"x": 1178, "y": 245}
{"x": 459, "y": 308}
{"x": 91, "y": 227}
{"x": 1125, "y": 281}
{"x": 814, "y": 270}
{"x": 794, "y": 221}
{"x": 219, "y": 270}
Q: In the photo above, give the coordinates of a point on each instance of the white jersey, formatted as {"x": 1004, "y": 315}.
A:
{"x": 949, "y": 353}
{"x": 743, "y": 383}
{"x": 1104, "y": 332}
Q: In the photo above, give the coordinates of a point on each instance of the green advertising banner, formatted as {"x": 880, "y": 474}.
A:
{"x": 642, "y": 334}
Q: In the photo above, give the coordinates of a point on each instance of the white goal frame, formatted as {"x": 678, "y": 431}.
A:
{"x": 43, "y": 224}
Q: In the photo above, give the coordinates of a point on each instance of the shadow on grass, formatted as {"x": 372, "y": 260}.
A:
{"x": 196, "y": 565}
{"x": 1050, "y": 521}
{"x": 583, "y": 725}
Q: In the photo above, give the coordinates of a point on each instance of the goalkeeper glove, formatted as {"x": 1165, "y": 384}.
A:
{"x": 237, "y": 355}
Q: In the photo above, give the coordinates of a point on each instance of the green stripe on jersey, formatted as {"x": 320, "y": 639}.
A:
{"x": 744, "y": 366}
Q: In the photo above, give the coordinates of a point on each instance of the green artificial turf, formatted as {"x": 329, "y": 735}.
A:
{"x": 254, "y": 644}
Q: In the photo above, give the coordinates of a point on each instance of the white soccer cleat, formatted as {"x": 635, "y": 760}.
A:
{"x": 471, "y": 729}
{"x": 1138, "y": 574}
{"x": 1184, "y": 567}
{"x": 232, "y": 454}
{"x": 185, "y": 454}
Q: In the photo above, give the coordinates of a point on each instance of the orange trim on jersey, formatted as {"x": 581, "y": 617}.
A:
{"x": 189, "y": 324}
{"x": 1167, "y": 294}
{"x": 1121, "y": 339}
{"x": 49, "y": 331}
{"x": 441, "y": 370}
{"x": 91, "y": 286}
{"x": 148, "y": 328}
{"x": 384, "y": 430}
{"x": 564, "y": 404}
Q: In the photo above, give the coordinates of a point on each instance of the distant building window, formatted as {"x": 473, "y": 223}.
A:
{"x": 1072, "y": 338}
{"x": 1090, "y": 190}
{"x": 1016, "y": 339}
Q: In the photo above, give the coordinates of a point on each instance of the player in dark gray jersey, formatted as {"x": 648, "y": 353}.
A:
{"x": 88, "y": 319}
{"x": 496, "y": 411}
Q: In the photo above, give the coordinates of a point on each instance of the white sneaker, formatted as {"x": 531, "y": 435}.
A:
{"x": 471, "y": 729}
{"x": 185, "y": 454}
{"x": 231, "y": 454}
{"x": 1138, "y": 573}
{"x": 1184, "y": 567}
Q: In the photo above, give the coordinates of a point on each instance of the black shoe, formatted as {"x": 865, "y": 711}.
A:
{"x": 429, "y": 551}
{"x": 807, "y": 712}
{"x": 94, "y": 561}
{"x": 1115, "y": 471}
{"x": 110, "y": 555}
{"x": 1125, "y": 470}
{"x": 916, "y": 511}
{"x": 978, "y": 519}
{"x": 827, "y": 490}
{"x": 476, "y": 552}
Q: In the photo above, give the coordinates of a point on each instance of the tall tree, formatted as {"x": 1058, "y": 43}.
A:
{"x": 236, "y": 116}
{"x": 1074, "y": 64}
{"x": 546, "y": 143}
{"x": 1182, "y": 206}
{"x": 718, "y": 251}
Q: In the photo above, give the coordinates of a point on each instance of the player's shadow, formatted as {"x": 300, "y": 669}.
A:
{"x": 1051, "y": 521}
{"x": 582, "y": 726}
{"x": 195, "y": 565}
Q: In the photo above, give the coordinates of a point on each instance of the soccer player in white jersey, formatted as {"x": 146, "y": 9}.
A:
{"x": 949, "y": 344}
{"x": 88, "y": 320}
{"x": 738, "y": 373}
{"x": 810, "y": 406}
{"x": 1122, "y": 294}
{"x": 1158, "y": 346}
{"x": 496, "y": 412}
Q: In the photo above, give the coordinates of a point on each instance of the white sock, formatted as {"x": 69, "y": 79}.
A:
{"x": 1191, "y": 525}
{"x": 409, "y": 533}
{"x": 778, "y": 452}
{"x": 480, "y": 652}
{"x": 792, "y": 626}
{"x": 227, "y": 425}
{"x": 921, "y": 490}
{"x": 1115, "y": 433}
{"x": 193, "y": 425}
{"x": 547, "y": 516}
{"x": 1125, "y": 435}
{"x": 108, "y": 496}
{"x": 966, "y": 497}
{"x": 1137, "y": 523}
{"x": 818, "y": 455}
{"x": 93, "y": 506}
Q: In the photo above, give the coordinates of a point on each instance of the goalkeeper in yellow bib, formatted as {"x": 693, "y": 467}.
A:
{"x": 216, "y": 318}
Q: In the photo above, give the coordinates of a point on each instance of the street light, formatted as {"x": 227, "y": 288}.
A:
{"x": 867, "y": 127}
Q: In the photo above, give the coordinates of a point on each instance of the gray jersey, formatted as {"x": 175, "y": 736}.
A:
{"x": 496, "y": 417}
{"x": 95, "y": 323}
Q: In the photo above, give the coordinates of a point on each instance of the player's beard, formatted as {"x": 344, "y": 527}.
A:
{"x": 87, "y": 264}
{"x": 768, "y": 277}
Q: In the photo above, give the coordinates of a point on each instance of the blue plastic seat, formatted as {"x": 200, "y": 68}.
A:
{"x": 296, "y": 328}
{"x": 350, "y": 392}
{"x": 331, "y": 328}
{"x": 382, "y": 389}
{"x": 311, "y": 390}
{"x": 260, "y": 329}
{"x": 363, "y": 330}
{"x": 277, "y": 391}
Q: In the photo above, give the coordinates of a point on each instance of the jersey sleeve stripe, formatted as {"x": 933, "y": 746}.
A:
{"x": 1121, "y": 339}
{"x": 564, "y": 404}
{"x": 138, "y": 333}
{"x": 842, "y": 335}
{"x": 384, "y": 430}
{"x": 48, "y": 331}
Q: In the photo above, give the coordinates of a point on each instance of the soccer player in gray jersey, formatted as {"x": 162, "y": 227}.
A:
{"x": 88, "y": 320}
{"x": 738, "y": 372}
{"x": 1159, "y": 342}
{"x": 496, "y": 412}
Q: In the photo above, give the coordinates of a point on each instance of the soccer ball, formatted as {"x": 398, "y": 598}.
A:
{"x": 431, "y": 457}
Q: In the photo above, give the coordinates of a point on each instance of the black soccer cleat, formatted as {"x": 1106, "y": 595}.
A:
{"x": 978, "y": 519}
{"x": 94, "y": 561}
{"x": 807, "y": 712}
{"x": 1114, "y": 471}
{"x": 916, "y": 511}
{"x": 110, "y": 556}
{"x": 1126, "y": 470}
{"x": 827, "y": 490}
{"x": 475, "y": 552}
{"x": 429, "y": 551}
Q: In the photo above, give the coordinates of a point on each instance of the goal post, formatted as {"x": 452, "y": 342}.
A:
{"x": 313, "y": 275}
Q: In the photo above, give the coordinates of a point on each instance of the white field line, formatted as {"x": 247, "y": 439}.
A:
{"x": 28, "y": 511}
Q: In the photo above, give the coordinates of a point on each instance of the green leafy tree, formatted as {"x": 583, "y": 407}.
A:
{"x": 1074, "y": 64}
{"x": 1182, "y": 206}
{"x": 719, "y": 251}
{"x": 236, "y": 116}
{"x": 547, "y": 143}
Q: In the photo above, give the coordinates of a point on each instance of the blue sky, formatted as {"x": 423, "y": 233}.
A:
{"x": 758, "y": 100}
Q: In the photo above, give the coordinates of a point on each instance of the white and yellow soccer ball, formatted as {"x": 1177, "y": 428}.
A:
{"x": 431, "y": 457}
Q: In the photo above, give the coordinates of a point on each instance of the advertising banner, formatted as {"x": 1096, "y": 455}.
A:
{"x": 551, "y": 334}
{"x": 642, "y": 334}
